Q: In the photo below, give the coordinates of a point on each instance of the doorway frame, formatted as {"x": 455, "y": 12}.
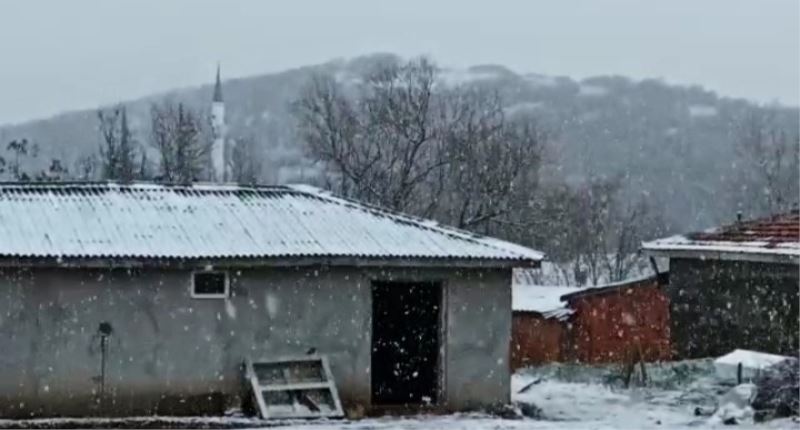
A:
{"x": 441, "y": 355}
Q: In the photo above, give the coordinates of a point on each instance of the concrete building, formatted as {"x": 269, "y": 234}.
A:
{"x": 146, "y": 299}
{"x": 734, "y": 287}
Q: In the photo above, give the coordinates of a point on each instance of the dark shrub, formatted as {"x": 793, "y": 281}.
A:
{"x": 778, "y": 392}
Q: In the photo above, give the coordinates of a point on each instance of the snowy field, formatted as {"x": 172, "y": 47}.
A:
{"x": 569, "y": 397}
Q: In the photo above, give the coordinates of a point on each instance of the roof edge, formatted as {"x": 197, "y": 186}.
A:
{"x": 199, "y": 186}
{"x": 287, "y": 261}
{"x": 652, "y": 280}
{"x": 711, "y": 253}
{"x": 524, "y": 252}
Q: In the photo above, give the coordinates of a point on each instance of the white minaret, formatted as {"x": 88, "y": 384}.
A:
{"x": 220, "y": 173}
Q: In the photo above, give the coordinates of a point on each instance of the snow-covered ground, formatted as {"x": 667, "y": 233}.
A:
{"x": 572, "y": 397}
{"x": 583, "y": 397}
{"x": 569, "y": 397}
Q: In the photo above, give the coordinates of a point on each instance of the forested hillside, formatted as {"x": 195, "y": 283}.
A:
{"x": 694, "y": 157}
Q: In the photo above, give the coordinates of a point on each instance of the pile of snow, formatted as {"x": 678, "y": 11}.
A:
{"x": 753, "y": 363}
{"x": 734, "y": 407}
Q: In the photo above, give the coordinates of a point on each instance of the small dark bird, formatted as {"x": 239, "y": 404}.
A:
{"x": 311, "y": 351}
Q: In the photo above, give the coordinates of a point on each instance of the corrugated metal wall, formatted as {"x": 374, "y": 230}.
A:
{"x": 535, "y": 340}
{"x": 607, "y": 327}
{"x": 610, "y": 326}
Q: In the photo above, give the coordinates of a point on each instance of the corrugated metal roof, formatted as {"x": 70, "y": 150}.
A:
{"x": 776, "y": 235}
{"x": 545, "y": 300}
{"x": 92, "y": 220}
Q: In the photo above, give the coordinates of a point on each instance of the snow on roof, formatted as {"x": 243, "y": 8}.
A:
{"x": 543, "y": 299}
{"x": 776, "y": 236}
{"x": 145, "y": 220}
{"x": 603, "y": 288}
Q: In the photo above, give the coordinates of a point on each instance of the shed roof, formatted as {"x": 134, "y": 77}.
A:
{"x": 545, "y": 300}
{"x": 203, "y": 221}
{"x": 647, "y": 281}
{"x": 772, "y": 238}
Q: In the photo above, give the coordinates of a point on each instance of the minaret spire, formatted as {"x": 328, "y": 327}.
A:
{"x": 218, "y": 152}
{"x": 218, "y": 88}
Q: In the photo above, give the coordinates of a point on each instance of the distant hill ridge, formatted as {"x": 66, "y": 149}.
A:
{"x": 673, "y": 142}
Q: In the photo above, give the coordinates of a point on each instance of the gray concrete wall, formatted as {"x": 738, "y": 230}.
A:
{"x": 172, "y": 354}
{"x": 717, "y": 306}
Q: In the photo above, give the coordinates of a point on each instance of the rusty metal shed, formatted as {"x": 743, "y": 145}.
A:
{"x": 604, "y": 324}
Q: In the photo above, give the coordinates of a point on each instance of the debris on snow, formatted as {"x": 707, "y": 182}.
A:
{"x": 528, "y": 386}
{"x": 681, "y": 395}
{"x": 529, "y": 410}
{"x": 734, "y": 406}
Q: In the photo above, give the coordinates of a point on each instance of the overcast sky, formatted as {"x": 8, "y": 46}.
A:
{"x": 59, "y": 55}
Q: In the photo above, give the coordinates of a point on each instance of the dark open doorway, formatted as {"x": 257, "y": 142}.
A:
{"x": 405, "y": 342}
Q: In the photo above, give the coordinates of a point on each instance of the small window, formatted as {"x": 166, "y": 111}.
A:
{"x": 210, "y": 285}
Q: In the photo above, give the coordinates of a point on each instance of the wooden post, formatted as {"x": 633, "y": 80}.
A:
{"x": 739, "y": 373}
{"x": 641, "y": 365}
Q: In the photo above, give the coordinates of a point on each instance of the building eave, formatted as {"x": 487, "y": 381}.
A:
{"x": 240, "y": 263}
{"x": 699, "y": 253}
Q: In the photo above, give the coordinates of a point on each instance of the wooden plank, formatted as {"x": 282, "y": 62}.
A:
{"x": 297, "y": 386}
{"x": 334, "y": 392}
{"x": 255, "y": 387}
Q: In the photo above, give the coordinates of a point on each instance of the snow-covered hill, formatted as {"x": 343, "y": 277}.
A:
{"x": 672, "y": 143}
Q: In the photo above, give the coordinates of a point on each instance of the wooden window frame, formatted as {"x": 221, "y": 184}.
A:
{"x": 328, "y": 385}
{"x": 442, "y": 356}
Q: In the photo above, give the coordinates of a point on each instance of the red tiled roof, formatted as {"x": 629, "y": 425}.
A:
{"x": 781, "y": 228}
{"x": 773, "y": 237}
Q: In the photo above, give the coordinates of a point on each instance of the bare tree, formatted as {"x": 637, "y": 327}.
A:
{"x": 770, "y": 154}
{"x": 402, "y": 141}
{"x": 144, "y": 168}
{"x": 87, "y": 167}
{"x": 492, "y": 168}
{"x": 54, "y": 173}
{"x": 631, "y": 224}
{"x": 176, "y": 132}
{"x": 20, "y": 149}
{"x": 592, "y": 233}
{"x": 119, "y": 147}
{"x": 594, "y": 216}
{"x": 246, "y": 161}
{"x": 381, "y": 145}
